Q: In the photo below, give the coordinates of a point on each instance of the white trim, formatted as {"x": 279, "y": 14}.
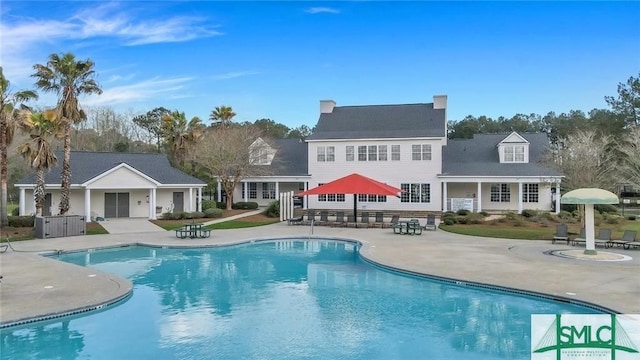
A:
{"x": 507, "y": 139}
{"x": 118, "y": 167}
{"x": 378, "y": 139}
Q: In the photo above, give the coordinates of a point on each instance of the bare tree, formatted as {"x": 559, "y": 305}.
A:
{"x": 631, "y": 162}
{"x": 587, "y": 159}
{"x": 229, "y": 156}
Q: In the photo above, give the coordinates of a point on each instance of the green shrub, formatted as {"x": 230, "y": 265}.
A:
{"x": 569, "y": 207}
{"x": 511, "y": 215}
{"x": 564, "y": 214}
{"x": 167, "y": 216}
{"x": 21, "y": 221}
{"x": 448, "y": 213}
{"x": 221, "y": 205}
{"x": 614, "y": 219}
{"x": 273, "y": 210}
{"x": 15, "y": 212}
{"x": 208, "y": 204}
{"x": 213, "y": 213}
{"x": 448, "y": 221}
{"x": 605, "y": 208}
{"x": 631, "y": 217}
{"x": 597, "y": 218}
{"x": 188, "y": 215}
{"x": 245, "y": 205}
{"x": 518, "y": 222}
{"x": 484, "y": 213}
{"x": 529, "y": 213}
{"x": 463, "y": 212}
{"x": 462, "y": 219}
{"x": 197, "y": 215}
{"x": 181, "y": 215}
{"x": 475, "y": 218}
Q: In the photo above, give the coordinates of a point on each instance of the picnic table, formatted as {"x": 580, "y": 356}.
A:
{"x": 193, "y": 230}
{"x": 407, "y": 227}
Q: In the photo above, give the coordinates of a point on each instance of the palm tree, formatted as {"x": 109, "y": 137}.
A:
{"x": 222, "y": 115}
{"x": 10, "y": 114}
{"x": 180, "y": 136}
{"x": 69, "y": 79}
{"x": 38, "y": 151}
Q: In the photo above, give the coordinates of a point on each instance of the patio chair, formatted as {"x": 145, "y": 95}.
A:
{"x": 604, "y": 236}
{"x": 628, "y": 236}
{"x": 339, "y": 219}
{"x": 379, "y": 222}
{"x": 351, "y": 221}
{"x": 395, "y": 219}
{"x": 431, "y": 223}
{"x": 364, "y": 220}
{"x": 562, "y": 234}
{"x": 324, "y": 218}
{"x": 311, "y": 217}
{"x": 295, "y": 220}
{"x": 582, "y": 238}
{"x": 630, "y": 244}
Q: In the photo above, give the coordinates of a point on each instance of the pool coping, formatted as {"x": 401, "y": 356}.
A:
{"x": 368, "y": 252}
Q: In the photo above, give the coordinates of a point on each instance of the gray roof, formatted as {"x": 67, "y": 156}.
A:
{"x": 86, "y": 165}
{"x": 290, "y": 158}
{"x": 380, "y": 121}
{"x": 479, "y": 157}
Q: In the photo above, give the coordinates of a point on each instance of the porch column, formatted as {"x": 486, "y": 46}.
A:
{"x": 479, "y": 196}
{"x": 190, "y": 199}
{"x": 557, "y": 198}
{"x": 219, "y": 191}
{"x": 154, "y": 204}
{"x": 444, "y": 196}
{"x": 22, "y": 202}
{"x": 87, "y": 205}
{"x": 305, "y": 199}
{"x": 150, "y": 208}
{"x": 277, "y": 190}
{"x": 519, "y": 197}
{"x": 199, "y": 199}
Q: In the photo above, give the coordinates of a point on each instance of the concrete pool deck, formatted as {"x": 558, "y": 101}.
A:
{"x": 34, "y": 286}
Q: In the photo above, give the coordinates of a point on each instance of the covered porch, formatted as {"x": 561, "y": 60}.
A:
{"x": 500, "y": 194}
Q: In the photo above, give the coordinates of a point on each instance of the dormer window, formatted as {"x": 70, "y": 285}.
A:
{"x": 514, "y": 149}
{"x": 514, "y": 153}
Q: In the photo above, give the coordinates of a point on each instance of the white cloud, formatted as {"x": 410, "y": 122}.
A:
{"x": 321, "y": 10}
{"x": 236, "y": 74}
{"x": 139, "y": 92}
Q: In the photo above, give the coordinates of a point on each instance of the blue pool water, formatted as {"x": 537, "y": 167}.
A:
{"x": 281, "y": 300}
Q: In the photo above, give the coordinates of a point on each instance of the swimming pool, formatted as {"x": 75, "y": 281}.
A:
{"x": 281, "y": 300}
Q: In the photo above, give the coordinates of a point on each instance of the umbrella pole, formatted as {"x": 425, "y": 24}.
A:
{"x": 355, "y": 207}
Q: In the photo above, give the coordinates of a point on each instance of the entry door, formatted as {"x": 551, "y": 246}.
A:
{"x": 46, "y": 211}
{"x": 116, "y": 205}
{"x": 178, "y": 202}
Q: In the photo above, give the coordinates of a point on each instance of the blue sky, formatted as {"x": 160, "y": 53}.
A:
{"x": 278, "y": 59}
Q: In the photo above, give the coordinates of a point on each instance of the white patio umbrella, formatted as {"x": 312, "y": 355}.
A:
{"x": 588, "y": 197}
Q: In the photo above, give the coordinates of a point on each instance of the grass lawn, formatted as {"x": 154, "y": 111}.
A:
{"x": 249, "y": 221}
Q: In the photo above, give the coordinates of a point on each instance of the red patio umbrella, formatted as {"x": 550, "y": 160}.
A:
{"x": 353, "y": 184}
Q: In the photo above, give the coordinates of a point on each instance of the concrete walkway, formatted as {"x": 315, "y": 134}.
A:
{"x": 35, "y": 286}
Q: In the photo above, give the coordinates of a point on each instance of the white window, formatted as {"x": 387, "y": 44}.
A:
{"x": 382, "y": 152}
{"x": 500, "y": 193}
{"x": 530, "y": 193}
{"x": 331, "y": 153}
{"x": 253, "y": 190}
{"x": 415, "y": 193}
{"x": 514, "y": 153}
{"x": 395, "y": 152}
{"x": 362, "y": 153}
{"x": 322, "y": 153}
{"x": 421, "y": 152}
{"x": 268, "y": 190}
{"x": 373, "y": 153}
{"x": 350, "y": 153}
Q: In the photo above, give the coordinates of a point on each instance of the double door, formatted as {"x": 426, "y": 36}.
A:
{"x": 116, "y": 205}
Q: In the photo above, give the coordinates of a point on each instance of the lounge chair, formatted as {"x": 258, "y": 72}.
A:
{"x": 364, "y": 220}
{"x": 562, "y": 234}
{"x": 339, "y": 219}
{"x": 582, "y": 238}
{"x": 393, "y": 223}
{"x": 604, "y": 236}
{"x": 431, "y": 223}
{"x": 311, "y": 217}
{"x": 629, "y": 236}
{"x": 351, "y": 221}
{"x": 3, "y": 248}
{"x": 379, "y": 222}
{"x": 295, "y": 220}
{"x": 324, "y": 218}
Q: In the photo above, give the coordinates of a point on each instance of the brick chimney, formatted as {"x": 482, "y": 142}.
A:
{"x": 326, "y": 106}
